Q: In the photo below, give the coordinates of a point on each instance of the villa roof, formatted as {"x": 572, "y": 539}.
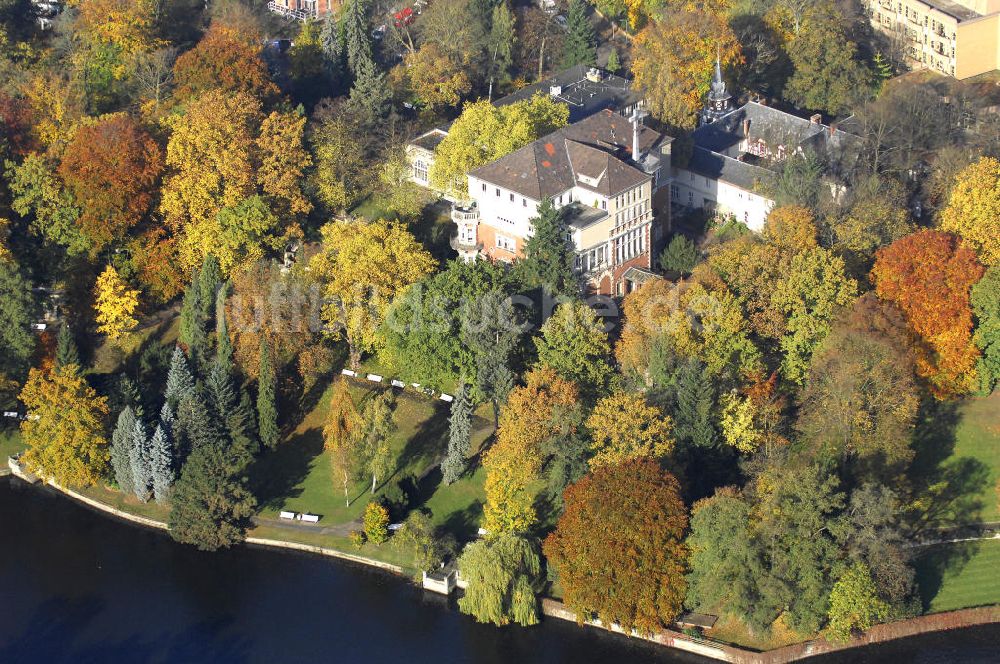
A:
{"x": 596, "y": 148}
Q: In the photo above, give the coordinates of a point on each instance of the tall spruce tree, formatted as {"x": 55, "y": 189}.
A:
{"x": 614, "y": 64}
{"x": 162, "y": 464}
{"x": 228, "y": 408}
{"x": 210, "y": 503}
{"x": 66, "y": 350}
{"x": 267, "y": 406}
{"x": 492, "y": 332}
{"x": 121, "y": 445}
{"x": 194, "y": 426}
{"x": 139, "y": 458}
{"x": 210, "y": 281}
{"x": 180, "y": 381}
{"x": 695, "y": 402}
{"x": 332, "y": 45}
{"x": 370, "y": 94}
{"x": 192, "y": 324}
{"x": 459, "y": 436}
{"x": 548, "y": 256}
{"x": 580, "y": 46}
{"x": 223, "y": 345}
{"x": 357, "y": 34}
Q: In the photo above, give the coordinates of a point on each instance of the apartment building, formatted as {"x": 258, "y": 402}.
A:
{"x": 608, "y": 173}
{"x": 959, "y": 38}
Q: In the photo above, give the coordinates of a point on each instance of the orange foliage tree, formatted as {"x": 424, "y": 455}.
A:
{"x": 619, "y": 546}
{"x": 227, "y": 58}
{"x": 513, "y": 464}
{"x": 111, "y": 168}
{"x": 929, "y": 275}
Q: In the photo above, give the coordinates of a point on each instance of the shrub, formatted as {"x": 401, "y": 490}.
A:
{"x": 681, "y": 255}
{"x": 376, "y": 523}
{"x": 357, "y": 538}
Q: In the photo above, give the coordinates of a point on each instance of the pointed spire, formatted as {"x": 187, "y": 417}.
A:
{"x": 718, "y": 65}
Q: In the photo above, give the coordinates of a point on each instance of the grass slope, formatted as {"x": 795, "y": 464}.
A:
{"x": 10, "y": 443}
{"x": 959, "y": 575}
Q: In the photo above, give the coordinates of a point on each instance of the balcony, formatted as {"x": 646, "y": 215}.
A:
{"x": 465, "y": 214}
{"x": 464, "y": 246}
{"x": 307, "y": 12}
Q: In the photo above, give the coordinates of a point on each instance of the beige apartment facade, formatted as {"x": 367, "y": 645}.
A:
{"x": 959, "y": 38}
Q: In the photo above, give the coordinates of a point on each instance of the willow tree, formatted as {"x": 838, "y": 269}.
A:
{"x": 502, "y": 575}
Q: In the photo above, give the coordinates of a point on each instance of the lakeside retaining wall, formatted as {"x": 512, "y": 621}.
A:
{"x": 669, "y": 638}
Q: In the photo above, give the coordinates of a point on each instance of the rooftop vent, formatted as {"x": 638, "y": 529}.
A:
{"x": 555, "y": 90}
{"x": 594, "y": 75}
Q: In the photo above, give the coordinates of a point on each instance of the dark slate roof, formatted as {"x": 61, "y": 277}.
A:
{"x": 717, "y": 166}
{"x": 596, "y": 146}
{"x": 716, "y": 145}
{"x": 584, "y": 97}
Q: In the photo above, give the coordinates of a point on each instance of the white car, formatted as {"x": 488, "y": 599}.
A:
{"x": 562, "y": 22}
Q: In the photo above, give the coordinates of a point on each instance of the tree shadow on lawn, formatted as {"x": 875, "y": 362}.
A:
{"x": 947, "y": 489}
{"x": 935, "y": 562}
{"x": 428, "y": 444}
{"x": 276, "y": 475}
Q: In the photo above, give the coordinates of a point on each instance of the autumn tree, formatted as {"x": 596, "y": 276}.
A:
{"x": 38, "y": 193}
{"x": 341, "y": 436}
{"x": 674, "y": 60}
{"x": 282, "y": 160}
{"x": 860, "y": 398}
{"x": 791, "y": 227}
{"x": 110, "y": 168}
{"x": 362, "y": 267}
{"x": 376, "y": 521}
{"x": 534, "y": 413}
{"x": 973, "y": 210}
{"x": 377, "y": 425}
{"x": 483, "y": 133}
{"x": 64, "y": 430}
{"x": 815, "y": 285}
{"x": 829, "y": 74}
{"x": 619, "y": 546}
{"x": 226, "y": 60}
{"x": 929, "y": 275}
{"x": 574, "y": 343}
{"x": 877, "y": 217}
{"x": 624, "y": 427}
{"x": 503, "y": 574}
{"x": 115, "y": 305}
{"x": 343, "y": 173}
{"x": 854, "y": 604}
{"x": 646, "y": 310}
{"x": 431, "y": 78}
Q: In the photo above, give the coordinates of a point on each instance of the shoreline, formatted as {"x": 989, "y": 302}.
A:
{"x": 882, "y": 633}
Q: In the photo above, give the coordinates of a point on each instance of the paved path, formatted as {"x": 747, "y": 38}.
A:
{"x": 337, "y": 530}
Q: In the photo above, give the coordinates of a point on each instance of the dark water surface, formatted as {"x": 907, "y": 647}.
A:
{"x": 77, "y": 586}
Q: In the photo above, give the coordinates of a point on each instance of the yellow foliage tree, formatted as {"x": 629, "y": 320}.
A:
{"x": 64, "y": 430}
{"x": 737, "y": 423}
{"x": 513, "y": 464}
{"x": 341, "y": 436}
{"x": 624, "y": 427}
{"x": 674, "y": 61}
{"x": 791, "y": 227}
{"x": 362, "y": 267}
{"x": 283, "y": 161}
{"x": 431, "y": 77}
{"x": 114, "y": 305}
{"x": 210, "y": 155}
{"x": 973, "y": 210}
{"x": 646, "y": 309}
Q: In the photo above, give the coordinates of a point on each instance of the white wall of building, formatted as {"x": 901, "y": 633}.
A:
{"x": 697, "y": 191}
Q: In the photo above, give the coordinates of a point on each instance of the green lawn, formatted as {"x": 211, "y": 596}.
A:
{"x": 126, "y": 503}
{"x": 960, "y": 575}
{"x": 958, "y": 460}
{"x": 10, "y": 443}
{"x": 297, "y": 476}
{"x": 978, "y": 437}
{"x": 386, "y": 552}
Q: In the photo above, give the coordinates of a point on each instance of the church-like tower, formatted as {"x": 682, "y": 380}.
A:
{"x": 718, "y": 101}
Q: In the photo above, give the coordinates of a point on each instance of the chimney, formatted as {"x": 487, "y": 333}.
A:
{"x": 746, "y": 129}
{"x": 635, "y": 135}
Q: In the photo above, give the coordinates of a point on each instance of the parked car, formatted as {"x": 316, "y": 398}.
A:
{"x": 379, "y": 32}
{"x": 562, "y": 22}
{"x": 403, "y": 17}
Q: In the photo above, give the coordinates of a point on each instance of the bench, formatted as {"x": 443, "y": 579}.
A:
{"x": 375, "y": 378}
{"x": 348, "y": 372}
{"x": 447, "y": 397}
{"x": 398, "y": 383}
{"x": 310, "y": 518}
{"x": 288, "y": 515}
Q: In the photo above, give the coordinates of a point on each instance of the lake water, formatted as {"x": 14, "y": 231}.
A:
{"x": 76, "y": 586}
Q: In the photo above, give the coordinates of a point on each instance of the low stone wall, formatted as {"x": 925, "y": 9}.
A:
{"x": 323, "y": 551}
{"x": 938, "y": 622}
